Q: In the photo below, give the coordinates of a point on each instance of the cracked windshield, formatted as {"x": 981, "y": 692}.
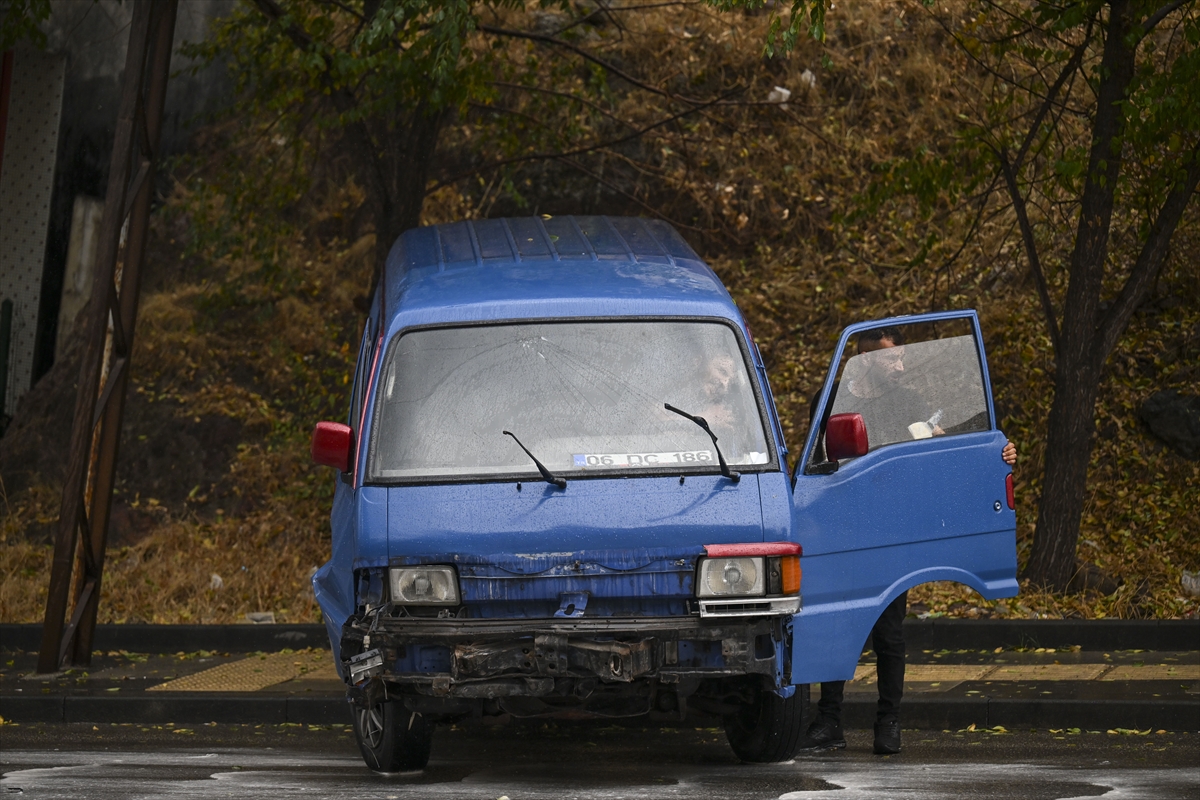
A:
{"x": 582, "y": 396}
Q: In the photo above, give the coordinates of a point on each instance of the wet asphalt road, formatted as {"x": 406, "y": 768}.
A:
{"x": 585, "y": 760}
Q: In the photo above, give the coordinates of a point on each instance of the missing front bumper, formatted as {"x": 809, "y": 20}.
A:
{"x": 535, "y": 658}
{"x": 557, "y": 655}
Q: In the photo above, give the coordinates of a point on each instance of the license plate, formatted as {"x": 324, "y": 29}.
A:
{"x": 617, "y": 460}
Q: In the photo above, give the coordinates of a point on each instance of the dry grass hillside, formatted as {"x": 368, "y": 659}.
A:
{"x": 248, "y": 327}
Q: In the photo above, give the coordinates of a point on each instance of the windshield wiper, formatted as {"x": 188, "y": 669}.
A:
{"x": 703, "y": 423}
{"x": 547, "y": 474}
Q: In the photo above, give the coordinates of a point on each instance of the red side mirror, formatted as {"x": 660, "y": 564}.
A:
{"x": 845, "y": 436}
{"x": 331, "y": 443}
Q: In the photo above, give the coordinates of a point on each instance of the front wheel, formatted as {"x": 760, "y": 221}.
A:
{"x": 391, "y": 738}
{"x": 769, "y": 728}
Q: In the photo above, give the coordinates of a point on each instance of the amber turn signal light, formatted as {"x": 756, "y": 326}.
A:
{"x": 790, "y": 567}
{"x": 783, "y": 575}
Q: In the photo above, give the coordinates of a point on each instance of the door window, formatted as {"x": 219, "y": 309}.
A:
{"x": 911, "y": 382}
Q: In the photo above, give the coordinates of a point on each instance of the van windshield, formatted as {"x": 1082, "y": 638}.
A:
{"x": 582, "y": 396}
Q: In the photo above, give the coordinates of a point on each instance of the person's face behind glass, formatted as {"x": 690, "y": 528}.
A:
{"x": 885, "y": 364}
{"x": 718, "y": 377}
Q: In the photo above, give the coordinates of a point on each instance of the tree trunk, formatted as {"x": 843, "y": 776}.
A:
{"x": 406, "y": 146}
{"x": 1081, "y": 354}
{"x": 1068, "y": 452}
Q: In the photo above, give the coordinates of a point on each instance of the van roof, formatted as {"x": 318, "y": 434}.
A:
{"x": 546, "y": 267}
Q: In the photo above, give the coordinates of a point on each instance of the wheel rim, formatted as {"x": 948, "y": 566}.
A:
{"x": 370, "y": 725}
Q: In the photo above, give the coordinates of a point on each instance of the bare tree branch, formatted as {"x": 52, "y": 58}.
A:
{"x": 345, "y": 8}
{"x": 986, "y": 67}
{"x": 567, "y": 96}
{"x": 808, "y": 128}
{"x": 1158, "y": 16}
{"x": 1151, "y": 258}
{"x": 1031, "y": 250}
{"x": 637, "y": 133}
{"x": 587, "y": 56}
{"x": 1067, "y": 71}
{"x": 1007, "y": 12}
{"x": 577, "y": 166}
{"x": 983, "y": 203}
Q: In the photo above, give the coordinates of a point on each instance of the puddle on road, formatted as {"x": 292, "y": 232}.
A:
{"x": 1047, "y": 791}
{"x": 897, "y": 780}
{"x": 750, "y": 780}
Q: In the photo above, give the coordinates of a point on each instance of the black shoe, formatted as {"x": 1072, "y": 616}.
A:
{"x": 822, "y": 735}
{"x": 887, "y": 737}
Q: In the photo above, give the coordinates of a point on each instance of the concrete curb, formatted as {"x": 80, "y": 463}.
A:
{"x": 187, "y": 709}
{"x": 175, "y": 638}
{"x": 955, "y": 713}
{"x": 1115, "y": 634}
{"x": 934, "y": 713}
{"x": 927, "y": 634}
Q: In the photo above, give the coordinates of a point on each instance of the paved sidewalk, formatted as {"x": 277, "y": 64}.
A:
{"x": 1015, "y": 686}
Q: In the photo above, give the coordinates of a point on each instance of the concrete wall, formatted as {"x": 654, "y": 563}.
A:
{"x": 86, "y": 218}
{"x": 26, "y": 183}
{"x": 93, "y": 38}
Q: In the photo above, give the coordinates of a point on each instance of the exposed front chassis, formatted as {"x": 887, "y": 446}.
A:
{"x": 612, "y": 667}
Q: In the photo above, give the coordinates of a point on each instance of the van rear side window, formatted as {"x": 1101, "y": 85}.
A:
{"x": 583, "y": 396}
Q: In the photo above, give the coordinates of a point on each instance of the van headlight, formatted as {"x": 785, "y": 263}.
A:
{"x": 436, "y": 586}
{"x": 749, "y": 576}
{"x": 731, "y": 577}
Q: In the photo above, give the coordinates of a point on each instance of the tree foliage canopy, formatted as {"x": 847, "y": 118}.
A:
{"x": 370, "y": 58}
{"x": 378, "y": 78}
{"x": 382, "y": 79}
{"x": 267, "y": 238}
{"x": 20, "y": 22}
{"x": 1039, "y": 118}
{"x": 1085, "y": 127}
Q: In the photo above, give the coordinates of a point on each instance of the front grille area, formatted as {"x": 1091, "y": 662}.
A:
{"x": 739, "y": 608}
{"x": 749, "y": 608}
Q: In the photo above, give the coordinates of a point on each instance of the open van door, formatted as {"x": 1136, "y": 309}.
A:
{"x": 901, "y": 482}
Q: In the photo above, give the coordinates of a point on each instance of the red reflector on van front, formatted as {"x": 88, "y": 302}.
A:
{"x": 752, "y": 549}
{"x": 1008, "y": 488}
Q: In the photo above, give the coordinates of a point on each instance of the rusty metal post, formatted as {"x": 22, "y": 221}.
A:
{"x": 112, "y": 315}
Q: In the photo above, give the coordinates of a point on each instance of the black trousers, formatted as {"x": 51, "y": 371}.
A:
{"x": 887, "y": 640}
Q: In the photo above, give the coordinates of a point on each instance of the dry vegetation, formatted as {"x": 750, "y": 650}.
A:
{"x": 247, "y": 334}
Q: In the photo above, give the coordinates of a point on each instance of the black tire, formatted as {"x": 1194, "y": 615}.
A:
{"x": 391, "y": 738}
{"x": 769, "y": 729}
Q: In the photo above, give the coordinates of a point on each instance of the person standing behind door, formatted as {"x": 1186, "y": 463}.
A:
{"x": 887, "y": 636}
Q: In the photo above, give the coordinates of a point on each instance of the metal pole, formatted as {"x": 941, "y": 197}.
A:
{"x": 112, "y": 315}
{"x": 6, "y": 315}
